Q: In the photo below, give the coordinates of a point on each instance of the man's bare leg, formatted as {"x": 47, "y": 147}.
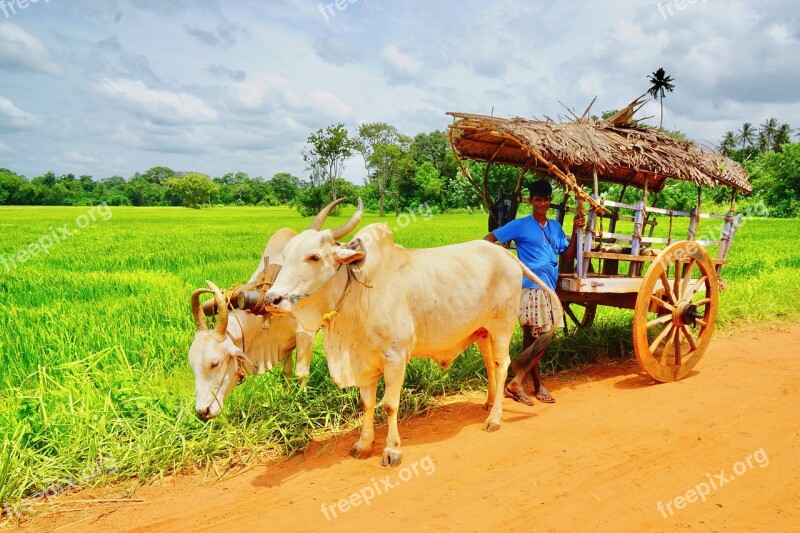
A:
{"x": 539, "y": 391}
{"x": 522, "y": 367}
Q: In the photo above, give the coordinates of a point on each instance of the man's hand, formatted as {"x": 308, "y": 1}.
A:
{"x": 579, "y": 222}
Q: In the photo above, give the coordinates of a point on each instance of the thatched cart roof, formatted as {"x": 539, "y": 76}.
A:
{"x": 619, "y": 150}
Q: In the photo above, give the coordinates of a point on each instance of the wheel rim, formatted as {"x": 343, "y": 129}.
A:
{"x": 578, "y": 315}
{"x": 675, "y": 311}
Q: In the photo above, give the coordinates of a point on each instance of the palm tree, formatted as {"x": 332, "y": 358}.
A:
{"x": 728, "y": 144}
{"x": 782, "y": 136}
{"x": 660, "y": 83}
{"x": 762, "y": 141}
{"x": 769, "y": 129}
{"x": 747, "y": 135}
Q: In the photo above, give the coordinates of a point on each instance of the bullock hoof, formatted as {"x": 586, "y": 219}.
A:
{"x": 359, "y": 451}
{"x": 490, "y": 425}
{"x": 391, "y": 457}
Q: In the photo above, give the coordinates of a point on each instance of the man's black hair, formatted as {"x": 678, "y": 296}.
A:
{"x": 541, "y": 188}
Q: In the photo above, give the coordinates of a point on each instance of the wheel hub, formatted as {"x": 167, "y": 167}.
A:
{"x": 686, "y": 313}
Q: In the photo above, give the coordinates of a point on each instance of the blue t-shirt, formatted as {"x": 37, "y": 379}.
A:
{"x": 538, "y": 247}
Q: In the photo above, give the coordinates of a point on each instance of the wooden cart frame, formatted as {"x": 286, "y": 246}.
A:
{"x": 672, "y": 284}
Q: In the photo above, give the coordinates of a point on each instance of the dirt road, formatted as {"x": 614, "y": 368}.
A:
{"x": 719, "y": 450}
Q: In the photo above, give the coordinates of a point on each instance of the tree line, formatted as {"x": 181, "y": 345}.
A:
{"x": 402, "y": 173}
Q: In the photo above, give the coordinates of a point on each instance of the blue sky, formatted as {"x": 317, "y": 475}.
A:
{"x": 104, "y": 87}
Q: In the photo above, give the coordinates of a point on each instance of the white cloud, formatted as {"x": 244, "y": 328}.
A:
{"x": 12, "y": 117}
{"x": 80, "y": 158}
{"x": 329, "y": 105}
{"x": 270, "y": 89}
{"x": 169, "y": 107}
{"x": 5, "y": 149}
{"x": 19, "y": 50}
{"x": 400, "y": 66}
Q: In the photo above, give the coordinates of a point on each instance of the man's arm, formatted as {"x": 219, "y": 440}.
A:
{"x": 490, "y": 237}
{"x": 577, "y": 224}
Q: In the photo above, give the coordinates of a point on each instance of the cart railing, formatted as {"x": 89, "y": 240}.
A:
{"x": 609, "y": 248}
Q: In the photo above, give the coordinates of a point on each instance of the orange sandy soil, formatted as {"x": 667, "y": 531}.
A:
{"x": 602, "y": 458}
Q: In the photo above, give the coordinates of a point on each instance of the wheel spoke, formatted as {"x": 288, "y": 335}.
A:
{"x": 660, "y": 337}
{"x": 660, "y": 320}
{"x": 702, "y": 302}
{"x": 655, "y": 299}
{"x": 667, "y": 288}
{"x": 701, "y": 322}
{"x": 677, "y": 346}
{"x": 687, "y": 276}
{"x": 688, "y": 335}
{"x": 667, "y": 351}
{"x": 700, "y": 282}
{"x": 677, "y": 283}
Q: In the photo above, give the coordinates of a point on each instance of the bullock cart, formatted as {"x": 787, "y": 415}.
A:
{"x": 671, "y": 282}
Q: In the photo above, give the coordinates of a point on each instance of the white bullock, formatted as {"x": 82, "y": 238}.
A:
{"x": 379, "y": 304}
{"x": 240, "y": 345}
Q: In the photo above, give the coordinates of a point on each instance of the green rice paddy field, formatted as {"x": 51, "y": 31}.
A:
{"x": 94, "y": 380}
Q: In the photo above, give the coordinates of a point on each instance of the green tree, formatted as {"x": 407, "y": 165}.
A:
{"x": 14, "y": 189}
{"x": 660, "y": 84}
{"x": 728, "y": 144}
{"x": 428, "y": 184}
{"x": 142, "y": 191}
{"x": 191, "y": 190}
{"x": 767, "y": 132}
{"x": 783, "y": 135}
{"x": 157, "y": 175}
{"x": 384, "y": 151}
{"x": 284, "y": 187}
{"x": 776, "y": 180}
{"x": 747, "y": 135}
{"x": 326, "y": 154}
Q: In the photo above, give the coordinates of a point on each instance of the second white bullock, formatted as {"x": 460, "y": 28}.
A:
{"x": 240, "y": 344}
{"x": 379, "y": 304}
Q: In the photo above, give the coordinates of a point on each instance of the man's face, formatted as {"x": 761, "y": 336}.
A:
{"x": 540, "y": 205}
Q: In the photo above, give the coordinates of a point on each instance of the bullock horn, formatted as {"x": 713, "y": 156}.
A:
{"x": 348, "y": 226}
{"x": 197, "y": 310}
{"x": 222, "y": 308}
{"x": 316, "y": 224}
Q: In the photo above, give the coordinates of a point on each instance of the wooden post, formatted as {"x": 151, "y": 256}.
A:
{"x": 586, "y": 240}
{"x": 725, "y": 239}
{"x": 694, "y": 221}
{"x": 595, "y": 183}
{"x": 612, "y": 226}
{"x": 633, "y": 269}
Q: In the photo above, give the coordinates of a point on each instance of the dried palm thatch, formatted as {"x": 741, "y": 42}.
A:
{"x": 619, "y": 150}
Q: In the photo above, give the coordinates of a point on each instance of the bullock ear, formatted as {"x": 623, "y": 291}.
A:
{"x": 346, "y": 255}
{"x": 241, "y": 356}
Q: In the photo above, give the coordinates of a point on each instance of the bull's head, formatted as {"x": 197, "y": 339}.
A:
{"x": 215, "y": 360}
{"x": 311, "y": 261}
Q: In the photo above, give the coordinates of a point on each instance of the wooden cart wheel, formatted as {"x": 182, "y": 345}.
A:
{"x": 675, "y": 311}
{"x": 578, "y": 315}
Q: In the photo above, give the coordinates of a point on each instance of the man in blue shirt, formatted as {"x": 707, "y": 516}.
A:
{"x": 539, "y": 240}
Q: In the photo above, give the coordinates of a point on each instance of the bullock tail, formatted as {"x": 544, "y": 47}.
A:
{"x": 541, "y": 343}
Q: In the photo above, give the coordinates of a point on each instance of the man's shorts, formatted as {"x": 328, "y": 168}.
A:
{"x": 535, "y": 311}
